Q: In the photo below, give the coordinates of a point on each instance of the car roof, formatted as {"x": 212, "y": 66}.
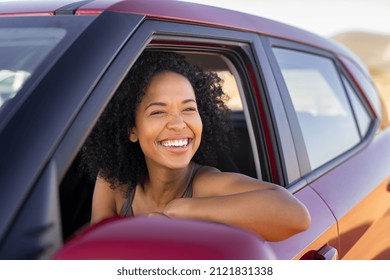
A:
{"x": 33, "y": 8}
{"x": 174, "y": 11}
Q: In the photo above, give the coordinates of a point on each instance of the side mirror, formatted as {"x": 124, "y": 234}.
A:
{"x": 142, "y": 238}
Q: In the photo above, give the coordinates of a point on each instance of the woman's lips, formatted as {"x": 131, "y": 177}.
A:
{"x": 176, "y": 143}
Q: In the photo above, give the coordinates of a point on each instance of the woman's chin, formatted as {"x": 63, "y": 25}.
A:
{"x": 177, "y": 166}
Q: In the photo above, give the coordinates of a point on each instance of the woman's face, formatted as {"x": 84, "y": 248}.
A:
{"x": 167, "y": 122}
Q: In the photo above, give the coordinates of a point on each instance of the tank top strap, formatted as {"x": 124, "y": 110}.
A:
{"x": 127, "y": 209}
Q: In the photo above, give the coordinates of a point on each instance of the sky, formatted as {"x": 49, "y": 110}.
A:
{"x": 323, "y": 17}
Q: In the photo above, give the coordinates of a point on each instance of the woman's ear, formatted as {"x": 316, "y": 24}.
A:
{"x": 132, "y": 135}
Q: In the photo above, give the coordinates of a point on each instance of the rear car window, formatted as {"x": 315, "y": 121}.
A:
{"x": 321, "y": 103}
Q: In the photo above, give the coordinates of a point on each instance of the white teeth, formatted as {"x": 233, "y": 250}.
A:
{"x": 175, "y": 143}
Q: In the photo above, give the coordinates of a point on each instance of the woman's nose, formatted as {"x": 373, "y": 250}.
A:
{"x": 176, "y": 123}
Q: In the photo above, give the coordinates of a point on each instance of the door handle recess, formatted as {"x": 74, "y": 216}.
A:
{"x": 327, "y": 252}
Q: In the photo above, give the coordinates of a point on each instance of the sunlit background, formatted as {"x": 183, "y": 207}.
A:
{"x": 361, "y": 25}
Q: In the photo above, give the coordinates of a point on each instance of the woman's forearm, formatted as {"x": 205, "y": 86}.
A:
{"x": 269, "y": 213}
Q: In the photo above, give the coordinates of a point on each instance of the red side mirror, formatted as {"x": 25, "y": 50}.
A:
{"x": 144, "y": 238}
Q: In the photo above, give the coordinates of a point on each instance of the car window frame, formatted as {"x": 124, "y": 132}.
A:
{"x": 306, "y": 171}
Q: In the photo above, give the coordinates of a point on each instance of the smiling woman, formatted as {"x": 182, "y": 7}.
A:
{"x": 169, "y": 102}
{"x": 154, "y": 148}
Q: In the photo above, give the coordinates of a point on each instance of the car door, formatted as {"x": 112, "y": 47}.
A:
{"x": 345, "y": 159}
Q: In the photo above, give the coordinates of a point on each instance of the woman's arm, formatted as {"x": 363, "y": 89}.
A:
{"x": 266, "y": 209}
{"x": 103, "y": 201}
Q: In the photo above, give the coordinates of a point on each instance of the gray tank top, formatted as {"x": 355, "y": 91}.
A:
{"x": 127, "y": 209}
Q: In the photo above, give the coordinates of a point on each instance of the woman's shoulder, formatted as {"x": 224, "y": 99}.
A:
{"x": 210, "y": 181}
{"x": 206, "y": 173}
{"x": 107, "y": 201}
{"x": 204, "y": 180}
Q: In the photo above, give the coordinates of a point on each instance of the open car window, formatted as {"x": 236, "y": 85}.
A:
{"x": 241, "y": 158}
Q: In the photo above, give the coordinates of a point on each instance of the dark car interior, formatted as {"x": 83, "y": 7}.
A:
{"x": 76, "y": 188}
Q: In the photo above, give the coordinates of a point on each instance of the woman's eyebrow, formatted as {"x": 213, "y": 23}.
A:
{"x": 188, "y": 100}
{"x": 155, "y": 104}
{"x": 164, "y": 104}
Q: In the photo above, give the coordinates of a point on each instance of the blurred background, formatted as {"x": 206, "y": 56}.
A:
{"x": 363, "y": 26}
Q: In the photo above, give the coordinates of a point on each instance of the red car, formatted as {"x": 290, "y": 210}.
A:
{"x": 306, "y": 114}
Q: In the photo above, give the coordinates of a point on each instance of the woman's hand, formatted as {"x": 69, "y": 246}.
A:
{"x": 178, "y": 207}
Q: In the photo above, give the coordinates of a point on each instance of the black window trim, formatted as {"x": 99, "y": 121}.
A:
{"x": 345, "y": 77}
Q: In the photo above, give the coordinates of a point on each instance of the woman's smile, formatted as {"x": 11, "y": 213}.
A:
{"x": 175, "y": 143}
{"x": 176, "y": 146}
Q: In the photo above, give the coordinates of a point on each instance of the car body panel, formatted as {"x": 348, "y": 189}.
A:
{"x": 323, "y": 230}
{"x": 361, "y": 200}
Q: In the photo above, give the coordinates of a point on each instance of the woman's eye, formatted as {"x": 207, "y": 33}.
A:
{"x": 190, "y": 109}
{"x": 155, "y": 113}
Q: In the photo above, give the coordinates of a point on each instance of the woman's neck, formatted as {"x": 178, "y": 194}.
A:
{"x": 163, "y": 185}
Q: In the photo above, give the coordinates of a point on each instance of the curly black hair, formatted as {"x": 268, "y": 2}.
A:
{"x": 109, "y": 154}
